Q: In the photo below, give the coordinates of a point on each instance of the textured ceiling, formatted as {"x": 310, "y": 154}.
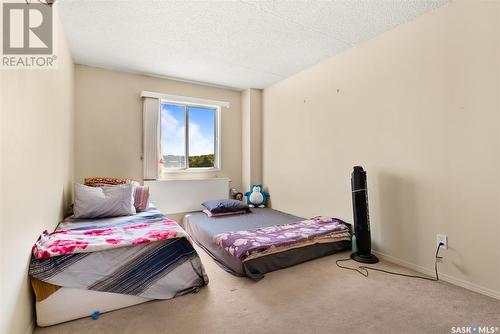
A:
{"x": 238, "y": 44}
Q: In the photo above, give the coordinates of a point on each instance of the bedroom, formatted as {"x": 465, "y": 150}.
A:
{"x": 290, "y": 95}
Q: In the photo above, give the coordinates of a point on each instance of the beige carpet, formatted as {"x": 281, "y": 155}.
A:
{"x": 313, "y": 297}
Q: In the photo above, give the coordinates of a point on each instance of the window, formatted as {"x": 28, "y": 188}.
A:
{"x": 192, "y": 147}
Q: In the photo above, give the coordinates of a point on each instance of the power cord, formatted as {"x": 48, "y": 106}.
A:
{"x": 363, "y": 270}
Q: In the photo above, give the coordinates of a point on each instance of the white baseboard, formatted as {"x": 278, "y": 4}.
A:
{"x": 447, "y": 278}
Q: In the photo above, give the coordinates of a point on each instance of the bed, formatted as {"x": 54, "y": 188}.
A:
{"x": 77, "y": 285}
{"x": 204, "y": 231}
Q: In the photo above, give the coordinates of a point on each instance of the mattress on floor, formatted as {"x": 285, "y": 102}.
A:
{"x": 68, "y": 304}
{"x": 76, "y": 285}
{"x": 203, "y": 229}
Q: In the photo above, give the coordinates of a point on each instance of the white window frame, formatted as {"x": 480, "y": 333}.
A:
{"x": 217, "y": 137}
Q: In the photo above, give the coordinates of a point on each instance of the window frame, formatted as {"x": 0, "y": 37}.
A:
{"x": 217, "y": 139}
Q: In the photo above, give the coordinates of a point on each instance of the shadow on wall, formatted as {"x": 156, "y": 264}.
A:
{"x": 397, "y": 216}
{"x": 66, "y": 201}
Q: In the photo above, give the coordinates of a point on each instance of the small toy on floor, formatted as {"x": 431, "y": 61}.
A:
{"x": 256, "y": 197}
{"x": 95, "y": 315}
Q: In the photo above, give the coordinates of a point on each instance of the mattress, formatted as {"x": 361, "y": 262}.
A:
{"x": 76, "y": 285}
{"x": 61, "y": 306}
{"x": 203, "y": 229}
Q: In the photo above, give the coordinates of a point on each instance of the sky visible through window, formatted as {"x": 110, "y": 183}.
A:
{"x": 201, "y": 132}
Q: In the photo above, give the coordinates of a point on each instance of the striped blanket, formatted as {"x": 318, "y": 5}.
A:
{"x": 164, "y": 266}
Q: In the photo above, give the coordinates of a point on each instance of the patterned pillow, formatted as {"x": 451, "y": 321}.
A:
{"x": 101, "y": 181}
{"x": 141, "y": 193}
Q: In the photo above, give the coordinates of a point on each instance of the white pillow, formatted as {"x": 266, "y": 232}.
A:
{"x": 107, "y": 201}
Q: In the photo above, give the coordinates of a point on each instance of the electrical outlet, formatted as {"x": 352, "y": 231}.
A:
{"x": 442, "y": 238}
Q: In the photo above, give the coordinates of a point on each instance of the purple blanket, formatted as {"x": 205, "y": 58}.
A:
{"x": 243, "y": 244}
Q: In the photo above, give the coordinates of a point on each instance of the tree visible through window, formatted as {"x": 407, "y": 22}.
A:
{"x": 197, "y": 141}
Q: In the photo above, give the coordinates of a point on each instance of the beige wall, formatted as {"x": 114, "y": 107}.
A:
{"x": 109, "y": 118}
{"x": 251, "y": 134}
{"x": 37, "y": 130}
{"x": 419, "y": 108}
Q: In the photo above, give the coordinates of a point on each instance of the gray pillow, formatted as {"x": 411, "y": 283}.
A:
{"x": 107, "y": 201}
{"x": 224, "y": 205}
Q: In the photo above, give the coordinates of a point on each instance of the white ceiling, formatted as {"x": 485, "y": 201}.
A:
{"x": 238, "y": 44}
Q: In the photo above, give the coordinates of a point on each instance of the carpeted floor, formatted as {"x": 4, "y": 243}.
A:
{"x": 314, "y": 297}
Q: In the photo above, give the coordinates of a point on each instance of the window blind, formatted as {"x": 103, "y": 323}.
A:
{"x": 151, "y": 138}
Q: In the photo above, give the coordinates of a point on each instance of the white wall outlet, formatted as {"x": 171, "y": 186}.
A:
{"x": 442, "y": 238}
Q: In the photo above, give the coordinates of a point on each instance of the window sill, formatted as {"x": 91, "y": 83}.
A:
{"x": 191, "y": 171}
{"x": 185, "y": 177}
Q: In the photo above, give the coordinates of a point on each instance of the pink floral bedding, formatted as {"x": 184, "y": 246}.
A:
{"x": 64, "y": 242}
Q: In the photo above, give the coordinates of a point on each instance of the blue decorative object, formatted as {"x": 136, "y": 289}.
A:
{"x": 256, "y": 197}
{"x": 354, "y": 245}
{"x": 95, "y": 315}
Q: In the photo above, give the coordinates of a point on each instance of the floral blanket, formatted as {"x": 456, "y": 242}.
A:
{"x": 144, "y": 255}
{"x": 254, "y": 243}
{"x": 64, "y": 242}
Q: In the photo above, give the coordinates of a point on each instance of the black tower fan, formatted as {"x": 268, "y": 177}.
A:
{"x": 361, "y": 217}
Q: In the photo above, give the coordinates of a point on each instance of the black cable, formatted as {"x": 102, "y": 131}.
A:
{"x": 363, "y": 270}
